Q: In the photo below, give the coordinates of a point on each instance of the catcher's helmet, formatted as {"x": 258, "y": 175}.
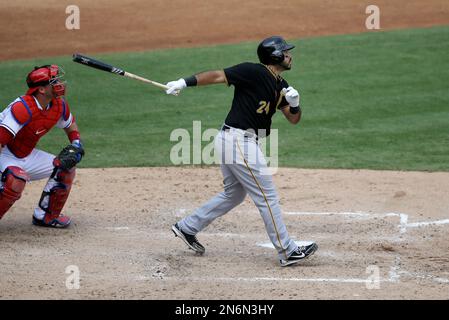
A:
{"x": 44, "y": 75}
{"x": 271, "y": 50}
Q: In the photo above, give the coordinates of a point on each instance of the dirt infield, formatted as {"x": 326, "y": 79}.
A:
{"x": 132, "y": 25}
{"x": 122, "y": 244}
{"x": 121, "y": 241}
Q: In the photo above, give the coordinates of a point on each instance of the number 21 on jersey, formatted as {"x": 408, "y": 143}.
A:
{"x": 264, "y": 106}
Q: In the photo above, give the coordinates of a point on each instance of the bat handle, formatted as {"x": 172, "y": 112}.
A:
{"x": 154, "y": 83}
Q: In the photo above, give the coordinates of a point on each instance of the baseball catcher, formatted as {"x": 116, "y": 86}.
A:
{"x": 259, "y": 92}
{"x": 22, "y": 124}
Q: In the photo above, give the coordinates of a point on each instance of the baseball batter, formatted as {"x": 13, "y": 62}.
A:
{"x": 22, "y": 124}
{"x": 259, "y": 92}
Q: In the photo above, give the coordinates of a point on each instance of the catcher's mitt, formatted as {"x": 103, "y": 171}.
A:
{"x": 69, "y": 157}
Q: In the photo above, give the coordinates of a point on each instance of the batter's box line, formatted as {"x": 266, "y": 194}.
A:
{"x": 270, "y": 279}
{"x": 403, "y": 218}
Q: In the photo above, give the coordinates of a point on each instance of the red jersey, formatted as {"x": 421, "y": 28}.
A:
{"x": 30, "y": 122}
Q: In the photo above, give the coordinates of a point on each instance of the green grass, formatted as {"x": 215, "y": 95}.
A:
{"x": 376, "y": 100}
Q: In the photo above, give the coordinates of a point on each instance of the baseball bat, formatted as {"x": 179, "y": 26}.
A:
{"x": 106, "y": 67}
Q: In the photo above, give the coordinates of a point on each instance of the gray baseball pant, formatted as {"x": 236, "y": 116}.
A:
{"x": 245, "y": 172}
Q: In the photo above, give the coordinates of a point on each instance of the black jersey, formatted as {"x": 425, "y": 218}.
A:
{"x": 257, "y": 95}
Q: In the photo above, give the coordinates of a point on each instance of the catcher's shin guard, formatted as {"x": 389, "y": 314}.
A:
{"x": 55, "y": 195}
{"x": 13, "y": 182}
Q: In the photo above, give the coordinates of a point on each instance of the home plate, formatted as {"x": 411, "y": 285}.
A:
{"x": 270, "y": 245}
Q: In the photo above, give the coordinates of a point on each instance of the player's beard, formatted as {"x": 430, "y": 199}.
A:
{"x": 286, "y": 65}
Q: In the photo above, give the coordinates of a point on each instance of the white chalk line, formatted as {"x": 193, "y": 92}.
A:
{"x": 263, "y": 279}
{"x": 403, "y": 222}
{"x": 305, "y": 213}
{"x": 271, "y": 246}
{"x": 117, "y": 228}
{"x": 424, "y": 276}
{"x": 427, "y": 223}
{"x": 403, "y": 218}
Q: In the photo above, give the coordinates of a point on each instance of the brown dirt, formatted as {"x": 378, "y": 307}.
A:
{"x": 122, "y": 243}
{"x": 121, "y": 239}
{"x": 36, "y": 28}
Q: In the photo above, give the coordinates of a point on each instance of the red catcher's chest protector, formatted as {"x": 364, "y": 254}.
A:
{"x": 36, "y": 123}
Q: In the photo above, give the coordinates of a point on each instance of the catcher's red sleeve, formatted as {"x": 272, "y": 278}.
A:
{"x": 5, "y": 136}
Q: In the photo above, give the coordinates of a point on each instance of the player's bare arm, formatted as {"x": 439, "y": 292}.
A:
{"x": 210, "y": 77}
{"x": 293, "y": 118}
{"x": 200, "y": 79}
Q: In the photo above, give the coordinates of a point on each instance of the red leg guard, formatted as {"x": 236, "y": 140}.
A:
{"x": 53, "y": 201}
{"x": 14, "y": 180}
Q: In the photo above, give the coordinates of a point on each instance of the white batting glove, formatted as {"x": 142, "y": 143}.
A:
{"x": 174, "y": 87}
{"x": 292, "y": 96}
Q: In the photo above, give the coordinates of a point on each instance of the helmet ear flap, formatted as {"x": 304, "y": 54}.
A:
{"x": 277, "y": 56}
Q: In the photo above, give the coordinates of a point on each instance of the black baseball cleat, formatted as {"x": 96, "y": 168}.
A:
{"x": 189, "y": 239}
{"x": 303, "y": 252}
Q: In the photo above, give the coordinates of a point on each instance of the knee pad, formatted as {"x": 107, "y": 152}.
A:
{"x": 13, "y": 182}
{"x": 53, "y": 201}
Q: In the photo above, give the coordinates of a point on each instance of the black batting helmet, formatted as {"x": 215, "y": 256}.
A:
{"x": 271, "y": 50}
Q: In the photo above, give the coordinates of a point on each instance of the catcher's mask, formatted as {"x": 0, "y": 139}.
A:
{"x": 45, "y": 75}
{"x": 271, "y": 50}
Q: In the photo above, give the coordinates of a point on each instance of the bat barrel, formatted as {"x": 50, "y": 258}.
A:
{"x": 96, "y": 64}
{"x": 106, "y": 67}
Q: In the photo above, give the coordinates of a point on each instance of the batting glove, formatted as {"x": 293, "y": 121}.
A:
{"x": 292, "y": 96}
{"x": 174, "y": 87}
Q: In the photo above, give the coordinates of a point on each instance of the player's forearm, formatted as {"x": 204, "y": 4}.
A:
{"x": 293, "y": 118}
{"x": 200, "y": 79}
{"x": 210, "y": 77}
{"x": 72, "y": 132}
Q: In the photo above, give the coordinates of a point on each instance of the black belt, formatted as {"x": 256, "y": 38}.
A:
{"x": 246, "y": 134}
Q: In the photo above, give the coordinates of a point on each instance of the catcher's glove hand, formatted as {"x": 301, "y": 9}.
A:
{"x": 69, "y": 157}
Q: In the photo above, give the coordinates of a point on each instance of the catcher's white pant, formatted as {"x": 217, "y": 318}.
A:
{"x": 245, "y": 172}
{"x": 38, "y": 164}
